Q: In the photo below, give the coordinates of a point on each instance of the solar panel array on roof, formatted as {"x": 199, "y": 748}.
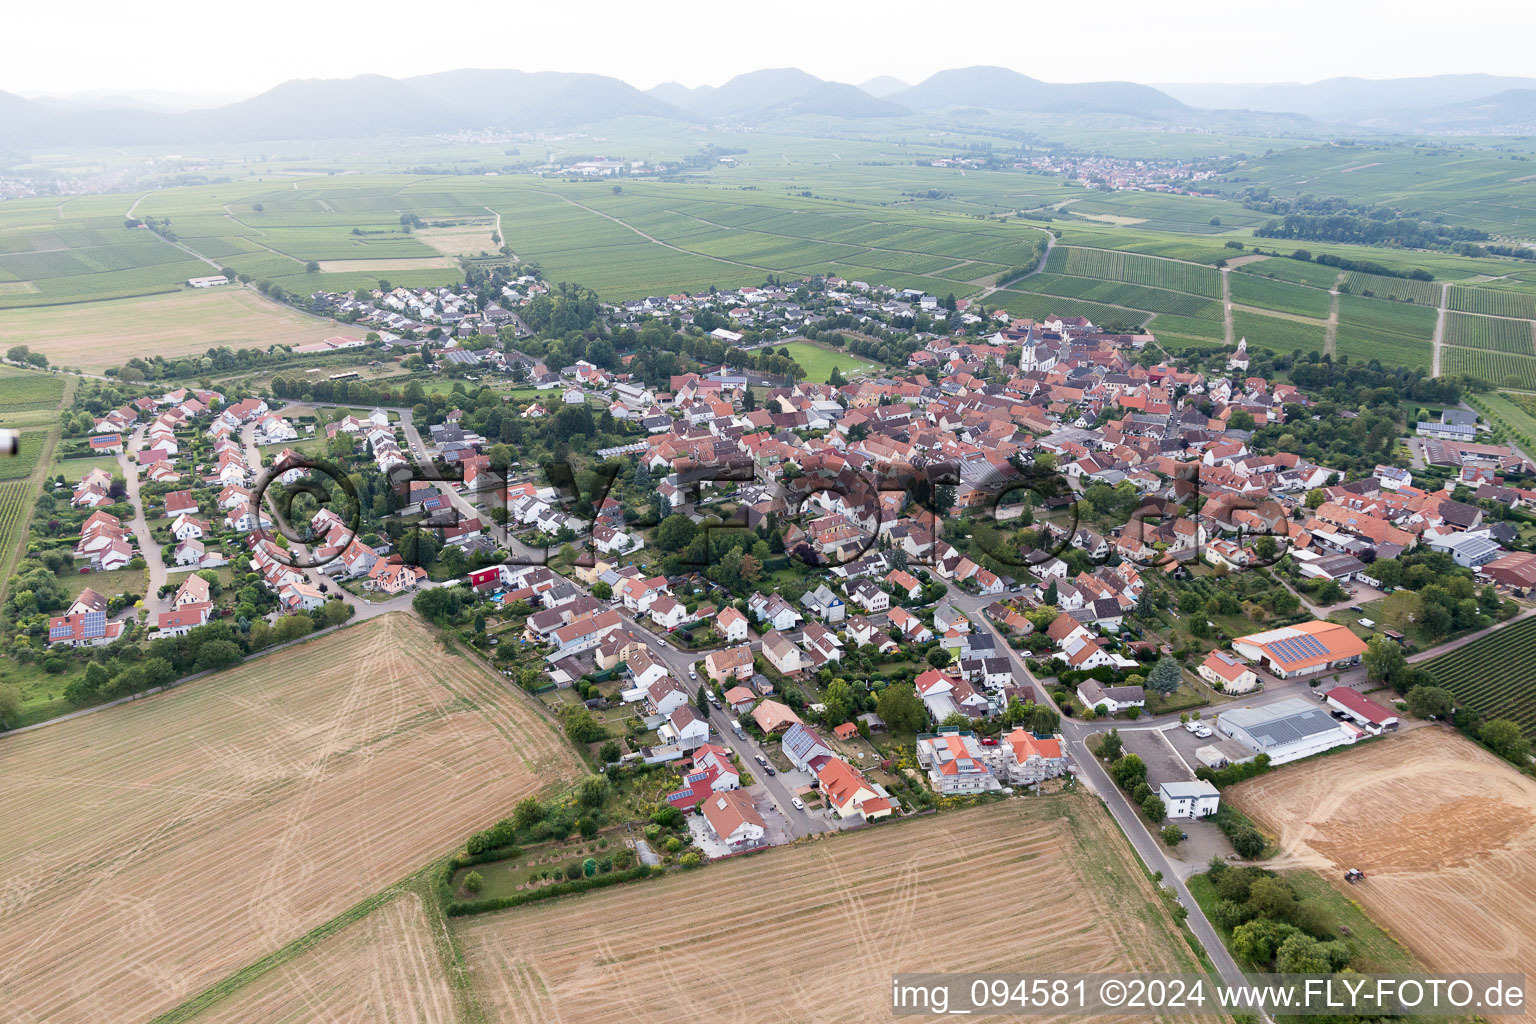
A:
{"x": 1298, "y": 648}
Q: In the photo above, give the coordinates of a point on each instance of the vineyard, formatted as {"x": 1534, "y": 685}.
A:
{"x": 22, "y": 391}
{"x": 1399, "y": 289}
{"x": 1495, "y": 675}
{"x": 1501, "y": 369}
{"x": 1131, "y": 268}
{"x": 1249, "y": 290}
{"x": 1489, "y": 333}
{"x": 1116, "y": 293}
{"x": 21, "y": 465}
{"x": 1492, "y": 302}
{"x": 15, "y": 507}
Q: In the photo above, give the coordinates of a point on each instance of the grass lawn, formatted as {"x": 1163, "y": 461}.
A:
{"x": 819, "y": 362}
{"x": 74, "y": 470}
{"x": 119, "y": 581}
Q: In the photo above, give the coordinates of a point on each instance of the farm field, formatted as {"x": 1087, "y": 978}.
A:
{"x": 819, "y": 362}
{"x": 154, "y": 848}
{"x": 383, "y": 967}
{"x": 462, "y": 240}
{"x": 1494, "y": 674}
{"x": 1501, "y": 369}
{"x": 183, "y": 324}
{"x": 873, "y": 897}
{"x": 1251, "y": 290}
{"x": 1276, "y": 333}
{"x": 1450, "y": 872}
{"x": 1493, "y": 334}
{"x": 24, "y": 391}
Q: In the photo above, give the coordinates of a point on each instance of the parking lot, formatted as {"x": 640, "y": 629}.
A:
{"x": 1163, "y": 765}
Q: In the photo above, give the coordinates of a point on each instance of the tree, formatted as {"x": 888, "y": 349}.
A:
{"x": 593, "y": 791}
{"x": 473, "y": 882}
{"x": 676, "y": 532}
{"x": 312, "y": 267}
{"x": 1129, "y": 772}
{"x": 701, "y": 701}
{"x": 1384, "y": 660}
{"x": 1173, "y": 835}
{"x": 1042, "y": 721}
{"x": 440, "y": 604}
{"x": 839, "y": 699}
{"x": 608, "y": 753}
{"x": 1241, "y": 419}
{"x": 1271, "y": 897}
{"x": 602, "y": 591}
{"x": 1504, "y": 738}
{"x": 217, "y": 654}
{"x": 1112, "y": 747}
{"x": 10, "y": 706}
{"x": 1153, "y": 808}
{"x": 1165, "y": 676}
{"x": 1247, "y": 842}
{"x": 1430, "y": 702}
{"x": 528, "y": 813}
{"x": 900, "y": 708}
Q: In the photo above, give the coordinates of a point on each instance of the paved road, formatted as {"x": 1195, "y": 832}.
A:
{"x": 148, "y": 546}
{"x": 1089, "y": 770}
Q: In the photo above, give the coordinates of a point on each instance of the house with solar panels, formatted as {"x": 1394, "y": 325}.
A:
{"x": 1302, "y": 650}
{"x": 1287, "y": 730}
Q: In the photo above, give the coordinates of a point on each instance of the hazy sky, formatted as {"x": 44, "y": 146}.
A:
{"x": 232, "y": 49}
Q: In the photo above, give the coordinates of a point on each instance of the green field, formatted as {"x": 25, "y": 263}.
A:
{"x": 1493, "y": 302}
{"x": 28, "y": 391}
{"x": 1251, "y": 290}
{"x": 1494, "y": 675}
{"x": 1280, "y": 335}
{"x": 1493, "y": 334}
{"x": 1500, "y": 369}
{"x": 819, "y": 362}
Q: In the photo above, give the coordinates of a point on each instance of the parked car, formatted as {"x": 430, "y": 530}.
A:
{"x": 761, "y": 759}
{"x": 989, "y": 741}
{"x": 769, "y": 769}
{"x": 799, "y": 804}
{"x": 1204, "y": 732}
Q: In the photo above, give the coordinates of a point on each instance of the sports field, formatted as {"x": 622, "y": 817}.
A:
{"x": 819, "y": 362}
{"x": 815, "y": 931}
{"x": 153, "y": 849}
{"x": 181, "y": 323}
{"x": 1444, "y": 831}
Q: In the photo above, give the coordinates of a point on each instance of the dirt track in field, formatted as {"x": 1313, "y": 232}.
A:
{"x": 154, "y": 848}
{"x": 813, "y": 933}
{"x": 382, "y": 968}
{"x": 1445, "y": 832}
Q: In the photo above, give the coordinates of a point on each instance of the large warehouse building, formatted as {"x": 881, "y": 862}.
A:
{"x": 1303, "y": 649}
{"x": 1287, "y": 730}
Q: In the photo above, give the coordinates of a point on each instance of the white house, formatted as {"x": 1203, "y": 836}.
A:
{"x": 733, "y": 818}
{"x": 1198, "y": 799}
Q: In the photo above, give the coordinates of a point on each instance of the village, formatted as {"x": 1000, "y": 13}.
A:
{"x": 1030, "y": 535}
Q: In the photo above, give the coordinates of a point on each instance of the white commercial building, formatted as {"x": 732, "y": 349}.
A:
{"x": 1287, "y": 730}
{"x": 1196, "y": 799}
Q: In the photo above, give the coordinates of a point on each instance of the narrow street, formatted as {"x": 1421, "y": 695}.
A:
{"x": 140, "y": 524}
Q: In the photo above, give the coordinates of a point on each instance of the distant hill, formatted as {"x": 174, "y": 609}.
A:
{"x": 536, "y": 99}
{"x": 678, "y": 95}
{"x": 1349, "y": 99}
{"x": 783, "y": 92}
{"x": 883, "y": 86}
{"x": 1001, "y": 89}
{"x": 1510, "y": 110}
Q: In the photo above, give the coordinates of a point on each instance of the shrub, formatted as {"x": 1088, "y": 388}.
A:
{"x": 473, "y": 882}
{"x": 1172, "y": 835}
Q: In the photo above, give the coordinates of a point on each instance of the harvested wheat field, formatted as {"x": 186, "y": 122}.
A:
{"x": 467, "y": 239}
{"x": 816, "y": 930}
{"x": 383, "y": 968}
{"x": 93, "y": 336}
{"x": 1444, "y": 831}
{"x": 152, "y": 849}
